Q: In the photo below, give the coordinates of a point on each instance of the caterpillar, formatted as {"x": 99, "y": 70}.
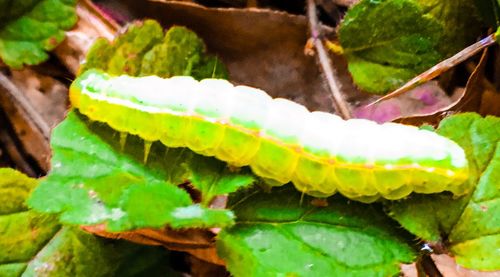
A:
{"x": 280, "y": 140}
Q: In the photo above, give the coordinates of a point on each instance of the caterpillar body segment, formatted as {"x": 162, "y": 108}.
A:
{"x": 279, "y": 139}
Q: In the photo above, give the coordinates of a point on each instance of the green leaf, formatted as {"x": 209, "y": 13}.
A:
{"x": 387, "y": 42}
{"x": 213, "y": 179}
{"x": 72, "y": 252}
{"x": 28, "y": 28}
{"x": 34, "y": 244}
{"x": 475, "y": 238}
{"x": 125, "y": 54}
{"x": 283, "y": 234}
{"x": 93, "y": 181}
{"x": 425, "y": 216}
{"x": 143, "y": 50}
{"x": 22, "y": 235}
{"x": 470, "y": 224}
{"x": 22, "y": 232}
{"x": 460, "y": 19}
{"x": 14, "y": 189}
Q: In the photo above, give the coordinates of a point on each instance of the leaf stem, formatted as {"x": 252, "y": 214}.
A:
{"x": 340, "y": 105}
{"x": 441, "y": 67}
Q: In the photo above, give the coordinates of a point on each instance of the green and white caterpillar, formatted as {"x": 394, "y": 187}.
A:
{"x": 280, "y": 140}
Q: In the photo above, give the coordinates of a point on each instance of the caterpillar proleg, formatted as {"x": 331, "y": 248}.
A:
{"x": 280, "y": 140}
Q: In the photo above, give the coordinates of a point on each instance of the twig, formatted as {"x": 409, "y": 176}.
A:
{"x": 441, "y": 67}
{"x": 338, "y": 100}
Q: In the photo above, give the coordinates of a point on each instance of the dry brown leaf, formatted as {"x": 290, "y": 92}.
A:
{"x": 91, "y": 25}
{"x": 409, "y": 270}
{"x": 449, "y": 268}
{"x": 490, "y": 103}
{"x": 425, "y": 100}
{"x": 469, "y": 100}
{"x": 25, "y": 111}
{"x": 47, "y": 95}
{"x": 197, "y": 242}
{"x": 346, "y": 3}
{"x": 200, "y": 268}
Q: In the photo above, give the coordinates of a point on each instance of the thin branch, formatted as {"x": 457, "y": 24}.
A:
{"x": 441, "y": 67}
{"x": 340, "y": 104}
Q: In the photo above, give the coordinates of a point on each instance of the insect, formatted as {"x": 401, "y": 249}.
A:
{"x": 279, "y": 139}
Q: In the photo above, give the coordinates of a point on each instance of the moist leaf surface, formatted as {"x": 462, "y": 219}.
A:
{"x": 280, "y": 233}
